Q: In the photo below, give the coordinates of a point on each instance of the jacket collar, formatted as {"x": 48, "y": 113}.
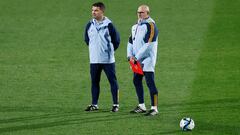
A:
{"x": 102, "y": 23}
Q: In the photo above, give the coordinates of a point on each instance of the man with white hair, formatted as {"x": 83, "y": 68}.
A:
{"x": 142, "y": 47}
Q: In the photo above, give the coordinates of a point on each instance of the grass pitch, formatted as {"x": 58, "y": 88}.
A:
{"x": 44, "y": 68}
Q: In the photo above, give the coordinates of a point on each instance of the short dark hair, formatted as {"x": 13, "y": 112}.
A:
{"x": 100, "y": 5}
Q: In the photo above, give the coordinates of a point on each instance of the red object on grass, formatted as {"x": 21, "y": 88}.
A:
{"x": 136, "y": 68}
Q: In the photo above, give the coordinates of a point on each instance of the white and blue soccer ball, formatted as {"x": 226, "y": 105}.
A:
{"x": 187, "y": 124}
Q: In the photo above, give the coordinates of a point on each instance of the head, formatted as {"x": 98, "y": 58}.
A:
{"x": 98, "y": 10}
{"x": 143, "y": 12}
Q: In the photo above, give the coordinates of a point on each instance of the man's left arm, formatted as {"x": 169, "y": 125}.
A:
{"x": 115, "y": 37}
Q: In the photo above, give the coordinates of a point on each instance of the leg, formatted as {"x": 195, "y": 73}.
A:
{"x": 95, "y": 71}
{"x": 137, "y": 81}
{"x": 149, "y": 76}
{"x": 109, "y": 70}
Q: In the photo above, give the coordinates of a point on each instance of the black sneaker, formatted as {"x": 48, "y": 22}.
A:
{"x": 151, "y": 112}
{"x": 115, "y": 108}
{"x": 138, "y": 109}
{"x": 91, "y": 108}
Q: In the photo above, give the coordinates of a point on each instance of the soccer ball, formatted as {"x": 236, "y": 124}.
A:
{"x": 187, "y": 124}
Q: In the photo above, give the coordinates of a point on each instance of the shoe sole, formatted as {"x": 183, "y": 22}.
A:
{"x": 136, "y": 112}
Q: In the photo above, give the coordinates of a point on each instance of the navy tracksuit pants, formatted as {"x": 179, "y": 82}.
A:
{"x": 149, "y": 77}
{"x": 95, "y": 71}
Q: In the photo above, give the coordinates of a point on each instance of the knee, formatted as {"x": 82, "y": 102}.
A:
{"x": 154, "y": 92}
{"x": 114, "y": 85}
{"x": 151, "y": 84}
{"x": 152, "y": 88}
{"x": 95, "y": 83}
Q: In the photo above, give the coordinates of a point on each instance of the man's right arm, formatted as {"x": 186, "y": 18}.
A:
{"x": 129, "y": 48}
{"x": 86, "y": 38}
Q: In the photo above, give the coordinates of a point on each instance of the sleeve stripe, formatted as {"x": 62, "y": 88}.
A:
{"x": 152, "y": 32}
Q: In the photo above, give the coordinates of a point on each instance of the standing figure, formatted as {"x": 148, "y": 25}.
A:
{"x": 103, "y": 39}
{"x": 142, "y": 47}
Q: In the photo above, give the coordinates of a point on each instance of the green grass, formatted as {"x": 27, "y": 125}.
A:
{"x": 44, "y": 68}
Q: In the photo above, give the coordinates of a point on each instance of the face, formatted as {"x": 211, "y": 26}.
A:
{"x": 97, "y": 13}
{"x": 142, "y": 13}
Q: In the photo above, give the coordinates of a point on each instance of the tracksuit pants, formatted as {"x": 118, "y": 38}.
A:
{"x": 149, "y": 77}
{"x": 95, "y": 71}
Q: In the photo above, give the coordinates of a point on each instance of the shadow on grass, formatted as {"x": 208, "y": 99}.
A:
{"x": 205, "y": 102}
{"x": 53, "y": 117}
{"x": 71, "y": 117}
{"x": 202, "y": 106}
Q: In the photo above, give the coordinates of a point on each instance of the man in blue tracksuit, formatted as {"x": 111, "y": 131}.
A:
{"x": 142, "y": 47}
{"x": 102, "y": 39}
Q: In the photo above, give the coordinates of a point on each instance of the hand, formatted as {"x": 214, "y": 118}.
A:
{"x": 133, "y": 60}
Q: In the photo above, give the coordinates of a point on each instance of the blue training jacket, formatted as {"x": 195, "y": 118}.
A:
{"x": 102, "y": 39}
{"x": 143, "y": 43}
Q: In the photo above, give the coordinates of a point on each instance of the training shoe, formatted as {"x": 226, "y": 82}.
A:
{"x": 138, "y": 109}
{"x": 115, "y": 108}
{"x": 91, "y": 108}
{"x": 151, "y": 112}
